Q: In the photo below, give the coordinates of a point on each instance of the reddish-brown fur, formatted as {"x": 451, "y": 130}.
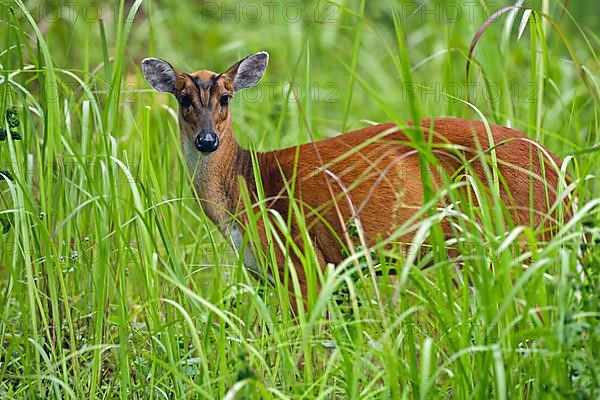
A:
{"x": 375, "y": 171}
{"x": 384, "y": 204}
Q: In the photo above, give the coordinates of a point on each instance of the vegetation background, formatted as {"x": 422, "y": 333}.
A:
{"x": 113, "y": 284}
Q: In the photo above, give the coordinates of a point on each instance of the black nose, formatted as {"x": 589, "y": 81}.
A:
{"x": 207, "y": 142}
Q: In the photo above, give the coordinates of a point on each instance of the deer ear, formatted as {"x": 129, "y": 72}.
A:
{"x": 160, "y": 74}
{"x": 248, "y": 71}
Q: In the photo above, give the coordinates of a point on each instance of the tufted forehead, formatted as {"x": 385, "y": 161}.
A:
{"x": 204, "y": 75}
{"x": 203, "y": 81}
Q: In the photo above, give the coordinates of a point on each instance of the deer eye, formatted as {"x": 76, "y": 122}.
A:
{"x": 185, "y": 101}
{"x": 225, "y": 100}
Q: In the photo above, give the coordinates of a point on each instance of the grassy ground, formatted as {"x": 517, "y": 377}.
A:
{"x": 113, "y": 284}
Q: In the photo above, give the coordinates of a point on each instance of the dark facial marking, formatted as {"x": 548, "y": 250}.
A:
{"x": 205, "y": 88}
{"x": 209, "y": 87}
{"x": 185, "y": 101}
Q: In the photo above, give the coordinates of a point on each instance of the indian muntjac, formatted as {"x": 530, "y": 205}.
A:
{"x": 373, "y": 174}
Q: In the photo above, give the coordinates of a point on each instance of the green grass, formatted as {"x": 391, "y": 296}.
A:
{"x": 114, "y": 284}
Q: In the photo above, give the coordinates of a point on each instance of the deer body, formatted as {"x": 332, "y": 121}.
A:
{"x": 372, "y": 174}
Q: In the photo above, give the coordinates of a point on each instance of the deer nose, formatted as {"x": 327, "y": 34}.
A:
{"x": 207, "y": 142}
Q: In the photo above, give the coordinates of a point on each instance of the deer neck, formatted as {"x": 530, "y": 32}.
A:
{"x": 215, "y": 177}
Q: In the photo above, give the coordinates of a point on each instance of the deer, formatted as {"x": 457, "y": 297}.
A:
{"x": 372, "y": 174}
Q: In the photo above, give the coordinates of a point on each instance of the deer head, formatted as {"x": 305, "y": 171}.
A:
{"x": 204, "y": 96}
